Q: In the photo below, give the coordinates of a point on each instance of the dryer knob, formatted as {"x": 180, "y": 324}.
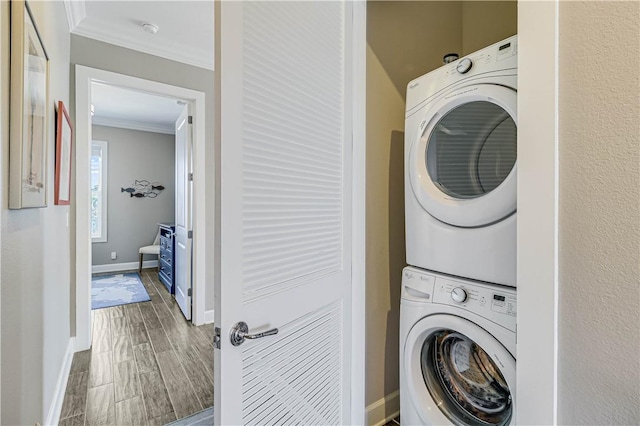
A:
{"x": 458, "y": 294}
{"x": 464, "y": 65}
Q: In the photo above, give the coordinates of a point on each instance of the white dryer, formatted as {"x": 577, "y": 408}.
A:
{"x": 457, "y": 351}
{"x": 460, "y": 166}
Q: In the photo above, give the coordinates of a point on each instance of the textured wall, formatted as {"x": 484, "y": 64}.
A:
{"x": 133, "y": 222}
{"x": 385, "y": 255}
{"x": 487, "y": 22}
{"x": 599, "y": 281}
{"x": 35, "y": 250}
{"x": 113, "y": 58}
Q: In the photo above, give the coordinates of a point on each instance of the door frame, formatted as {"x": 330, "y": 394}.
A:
{"x": 84, "y": 77}
{"x": 358, "y": 212}
{"x": 538, "y": 192}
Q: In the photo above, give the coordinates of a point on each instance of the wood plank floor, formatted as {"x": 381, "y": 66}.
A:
{"x": 147, "y": 365}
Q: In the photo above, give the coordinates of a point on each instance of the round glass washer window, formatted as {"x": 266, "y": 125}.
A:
{"x": 472, "y": 149}
{"x": 464, "y": 381}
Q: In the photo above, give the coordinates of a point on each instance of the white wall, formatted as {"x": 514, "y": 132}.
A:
{"x": 599, "y": 222}
{"x": 35, "y": 250}
{"x": 133, "y": 222}
{"x": 385, "y": 254}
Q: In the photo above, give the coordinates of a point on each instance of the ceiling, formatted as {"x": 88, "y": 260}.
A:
{"x": 131, "y": 109}
{"x": 185, "y": 27}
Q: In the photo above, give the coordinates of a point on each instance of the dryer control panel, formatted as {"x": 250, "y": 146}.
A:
{"x": 494, "y": 302}
{"x": 497, "y": 64}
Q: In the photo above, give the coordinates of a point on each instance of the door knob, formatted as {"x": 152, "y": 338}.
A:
{"x": 240, "y": 331}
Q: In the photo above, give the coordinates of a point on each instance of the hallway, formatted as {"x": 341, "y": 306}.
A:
{"x": 147, "y": 365}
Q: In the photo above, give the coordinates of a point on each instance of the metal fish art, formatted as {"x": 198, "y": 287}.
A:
{"x": 143, "y": 188}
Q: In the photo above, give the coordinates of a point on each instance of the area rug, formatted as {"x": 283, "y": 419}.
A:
{"x": 117, "y": 289}
{"x": 202, "y": 418}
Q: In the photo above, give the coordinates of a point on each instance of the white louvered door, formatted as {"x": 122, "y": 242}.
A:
{"x": 285, "y": 121}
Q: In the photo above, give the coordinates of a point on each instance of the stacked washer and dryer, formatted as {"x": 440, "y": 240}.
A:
{"x": 458, "y": 303}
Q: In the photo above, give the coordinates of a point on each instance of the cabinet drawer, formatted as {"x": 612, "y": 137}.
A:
{"x": 167, "y": 281}
{"x": 166, "y": 244}
{"x": 166, "y": 256}
{"x": 166, "y": 268}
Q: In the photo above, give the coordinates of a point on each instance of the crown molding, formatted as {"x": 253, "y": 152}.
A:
{"x": 184, "y": 54}
{"x": 76, "y": 12}
{"x": 132, "y": 125}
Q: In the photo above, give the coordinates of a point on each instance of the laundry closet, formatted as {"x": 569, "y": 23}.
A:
{"x": 405, "y": 41}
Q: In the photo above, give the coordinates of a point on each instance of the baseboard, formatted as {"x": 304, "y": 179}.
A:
{"x": 128, "y": 266}
{"x": 209, "y": 316}
{"x": 53, "y": 417}
{"x": 383, "y": 410}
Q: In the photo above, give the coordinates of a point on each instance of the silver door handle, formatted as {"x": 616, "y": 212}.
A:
{"x": 240, "y": 331}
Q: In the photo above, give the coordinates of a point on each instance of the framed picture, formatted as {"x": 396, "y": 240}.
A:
{"x": 64, "y": 136}
{"x": 29, "y": 118}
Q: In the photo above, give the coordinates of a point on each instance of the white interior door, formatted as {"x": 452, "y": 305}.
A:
{"x": 286, "y": 213}
{"x": 182, "y": 268}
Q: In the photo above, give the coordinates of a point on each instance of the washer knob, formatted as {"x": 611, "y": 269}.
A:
{"x": 464, "y": 66}
{"x": 458, "y": 295}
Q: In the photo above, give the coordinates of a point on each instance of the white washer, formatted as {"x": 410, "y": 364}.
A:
{"x": 457, "y": 351}
{"x": 460, "y": 166}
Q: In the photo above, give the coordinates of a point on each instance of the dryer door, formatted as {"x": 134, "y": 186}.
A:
{"x": 462, "y": 164}
{"x": 458, "y": 373}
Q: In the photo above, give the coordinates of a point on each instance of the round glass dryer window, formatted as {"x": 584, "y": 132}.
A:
{"x": 464, "y": 381}
{"x": 472, "y": 149}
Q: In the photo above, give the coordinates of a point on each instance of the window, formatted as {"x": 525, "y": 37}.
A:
{"x": 99, "y": 191}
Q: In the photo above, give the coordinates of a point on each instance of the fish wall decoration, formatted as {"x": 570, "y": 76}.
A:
{"x": 143, "y": 189}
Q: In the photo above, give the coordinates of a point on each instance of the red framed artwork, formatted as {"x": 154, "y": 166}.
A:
{"x": 64, "y": 137}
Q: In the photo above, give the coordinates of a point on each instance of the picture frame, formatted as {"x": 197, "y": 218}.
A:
{"x": 29, "y": 111}
{"x": 64, "y": 144}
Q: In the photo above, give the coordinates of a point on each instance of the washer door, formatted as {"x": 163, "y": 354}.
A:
{"x": 462, "y": 164}
{"x": 458, "y": 373}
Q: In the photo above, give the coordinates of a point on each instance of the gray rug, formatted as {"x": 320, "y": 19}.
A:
{"x": 203, "y": 418}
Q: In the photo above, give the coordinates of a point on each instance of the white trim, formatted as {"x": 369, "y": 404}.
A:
{"x": 358, "y": 222}
{"x": 537, "y": 251}
{"x": 202, "y": 177}
{"x": 76, "y": 12}
{"x": 53, "y": 416}
{"x": 184, "y": 54}
{"x": 133, "y": 125}
{"x": 209, "y": 316}
{"x": 126, "y": 266}
{"x": 377, "y": 412}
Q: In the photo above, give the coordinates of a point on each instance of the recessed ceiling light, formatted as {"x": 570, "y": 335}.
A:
{"x": 150, "y": 28}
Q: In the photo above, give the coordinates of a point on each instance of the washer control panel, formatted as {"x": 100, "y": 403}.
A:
{"x": 494, "y": 302}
